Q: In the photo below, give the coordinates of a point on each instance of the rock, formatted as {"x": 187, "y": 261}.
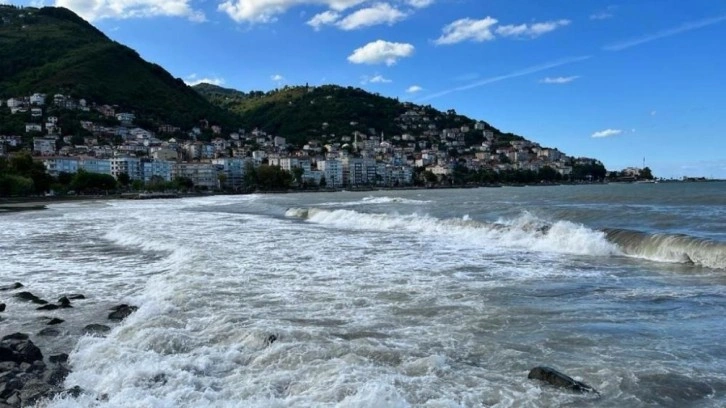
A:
{"x": 96, "y": 329}
{"x": 558, "y": 379}
{"x": 16, "y": 285}
{"x": 49, "y": 306}
{"x": 56, "y": 375}
{"x": 55, "y": 320}
{"x": 74, "y": 391}
{"x": 16, "y": 336}
{"x": 270, "y": 339}
{"x": 6, "y": 354}
{"x": 35, "y": 390}
{"x": 8, "y": 366}
{"x": 9, "y": 387}
{"x": 28, "y": 352}
{"x": 27, "y": 296}
{"x": 76, "y": 296}
{"x": 49, "y": 332}
{"x": 2, "y": 307}
{"x": 64, "y": 302}
{"x": 58, "y": 358}
{"x": 121, "y": 312}
{"x": 14, "y": 399}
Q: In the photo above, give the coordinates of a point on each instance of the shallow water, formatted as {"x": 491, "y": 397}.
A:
{"x": 433, "y": 298}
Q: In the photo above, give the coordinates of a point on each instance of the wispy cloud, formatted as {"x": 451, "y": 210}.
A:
{"x": 532, "y": 31}
{"x": 683, "y": 28}
{"x": 414, "y": 89}
{"x": 277, "y": 78}
{"x": 607, "y": 133}
{"x": 559, "y": 80}
{"x": 607, "y": 13}
{"x": 376, "y": 79}
{"x": 194, "y": 79}
{"x": 515, "y": 74}
{"x": 381, "y": 13}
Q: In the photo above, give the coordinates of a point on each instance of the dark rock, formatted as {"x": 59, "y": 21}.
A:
{"x": 64, "y": 302}
{"x": 55, "y": 320}
{"x": 121, "y": 312}
{"x": 16, "y": 336}
{"x": 35, "y": 390}
{"x": 74, "y": 391}
{"x": 58, "y": 358}
{"x": 2, "y": 307}
{"x": 37, "y": 366}
{"x": 556, "y": 378}
{"x": 76, "y": 296}
{"x": 56, "y": 375}
{"x": 96, "y": 329}
{"x": 28, "y": 352}
{"x": 9, "y": 387}
{"x": 8, "y": 366}
{"x": 6, "y": 353}
{"x": 270, "y": 339}
{"x": 14, "y": 399}
{"x": 16, "y": 285}
{"x": 49, "y": 332}
{"x": 49, "y": 306}
{"x": 27, "y": 296}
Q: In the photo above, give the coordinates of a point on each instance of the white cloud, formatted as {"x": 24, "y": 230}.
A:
{"x": 467, "y": 29}
{"x": 381, "y": 13}
{"x": 193, "y": 79}
{"x": 324, "y": 18}
{"x": 376, "y": 79}
{"x": 683, "y": 28}
{"x": 607, "y": 133}
{"x": 378, "y": 52}
{"x": 121, "y": 9}
{"x": 420, "y": 3}
{"x": 277, "y": 78}
{"x": 265, "y": 11}
{"x": 533, "y": 31}
{"x": 602, "y": 15}
{"x": 414, "y": 89}
{"x": 559, "y": 80}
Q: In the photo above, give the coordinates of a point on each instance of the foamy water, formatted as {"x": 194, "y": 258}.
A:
{"x": 391, "y": 299}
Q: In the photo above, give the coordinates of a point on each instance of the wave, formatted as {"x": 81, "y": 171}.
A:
{"x": 530, "y": 232}
{"x": 525, "y": 232}
{"x": 675, "y": 248}
{"x": 376, "y": 200}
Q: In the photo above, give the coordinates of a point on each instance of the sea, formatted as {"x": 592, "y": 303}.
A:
{"x": 399, "y": 298}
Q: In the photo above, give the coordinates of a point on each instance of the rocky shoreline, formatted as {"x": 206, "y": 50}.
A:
{"x": 27, "y": 375}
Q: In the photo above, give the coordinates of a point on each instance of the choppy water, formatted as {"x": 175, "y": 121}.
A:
{"x": 425, "y": 298}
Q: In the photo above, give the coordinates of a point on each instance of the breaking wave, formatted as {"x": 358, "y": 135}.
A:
{"x": 376, "y": 200}
{"x": 676, "y": 248}
{"x": 529, "y": 232}
{"x": 526, "y": 231}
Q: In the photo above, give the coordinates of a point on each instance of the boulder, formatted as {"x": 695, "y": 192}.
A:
{"x": 64, "y": 302}
{"x": 58, "y": 358}
{"x": 121, "y": 312}
{"x": 75, "y": 296}
{"x": 558, "y": 379}
{"x": 2, "y": 307}
{"x": 55, "y": 320}
{"x": 27, "y": 296}
{"x": 49, "y": 332}
{"x": 16, "y": 285}
{"x": 49, "y": 306}
{"x": 17, "y": 347}
{"x": 35, "y": 390}
{"x": 96, "y": 329}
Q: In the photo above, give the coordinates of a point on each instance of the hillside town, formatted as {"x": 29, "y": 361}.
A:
{"x": 217, "y": 159}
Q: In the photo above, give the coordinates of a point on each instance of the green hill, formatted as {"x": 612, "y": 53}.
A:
{"x": 52, "y": 50}
{"x": 301, "y": 113}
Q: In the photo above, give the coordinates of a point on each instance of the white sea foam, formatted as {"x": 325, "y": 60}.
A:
{"x": 525, "y": 231}
{"x": 371, "y": 200}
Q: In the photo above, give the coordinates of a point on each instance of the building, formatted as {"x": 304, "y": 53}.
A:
{"x": 44, "y": 146}
{"x": 156, "y": 169}
{"x": 333, "y": 172}
{"x": 202, "y": 175}
{"x": 233, "y": 169}
{"x": 129, "y": 165}
{"x": 56, "y": 165}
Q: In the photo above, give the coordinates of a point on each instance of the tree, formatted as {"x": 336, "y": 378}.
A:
{"x": 124, "y": 179}
{"x": 646, "y": 174}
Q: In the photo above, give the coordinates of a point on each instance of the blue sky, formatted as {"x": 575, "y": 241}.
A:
{"x": 619, "y": 81}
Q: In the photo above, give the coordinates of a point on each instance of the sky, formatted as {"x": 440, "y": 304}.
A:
{"x": 627, "y": 82}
